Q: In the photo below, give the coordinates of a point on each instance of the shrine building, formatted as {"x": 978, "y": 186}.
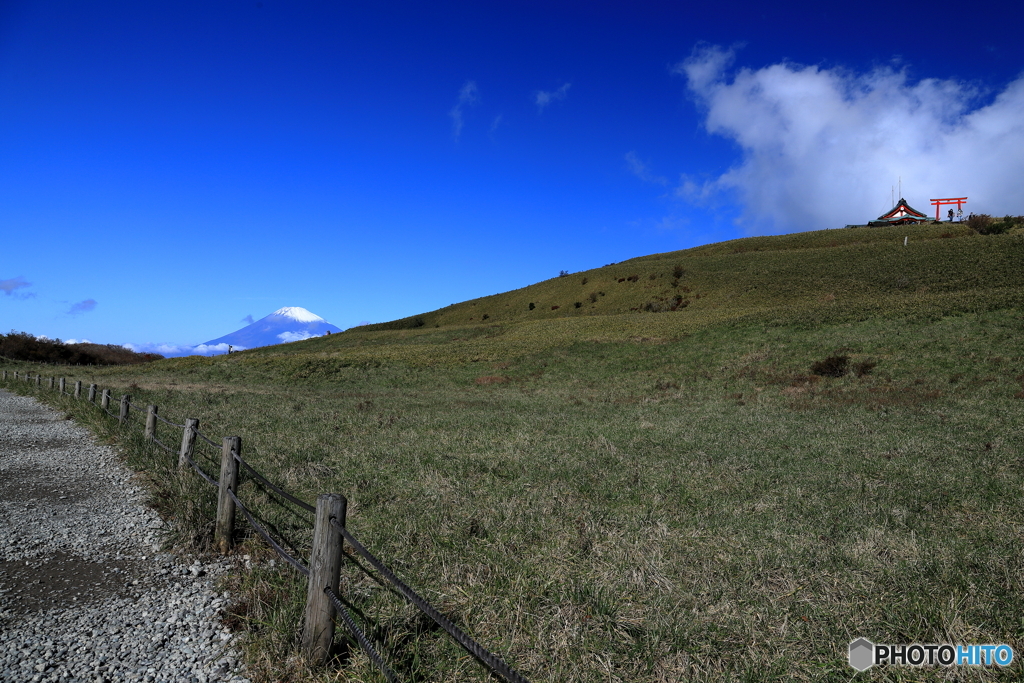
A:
{"x": 900, "y": 214}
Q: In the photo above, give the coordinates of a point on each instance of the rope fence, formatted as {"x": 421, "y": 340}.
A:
{"x": 273, "y": 487}
{"x": 494, "y": 662}
{"x": 207, "y": 440}
{"x": 360, "y": 637}
{"x": 162, "y": 445}
{"x": 201, "y": 473}
{"x": 266, "y": 537}
{"x": 330, "y": 532}
{"x": 168, "y": 422}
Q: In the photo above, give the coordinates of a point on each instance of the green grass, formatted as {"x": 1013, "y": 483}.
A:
{"x": 649, "y": 496}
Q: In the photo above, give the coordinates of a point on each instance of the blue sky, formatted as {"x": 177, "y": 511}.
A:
{"x": 167, "y": 169}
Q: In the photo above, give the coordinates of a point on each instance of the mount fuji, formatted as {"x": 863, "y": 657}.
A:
{"x": 283, "y": 325}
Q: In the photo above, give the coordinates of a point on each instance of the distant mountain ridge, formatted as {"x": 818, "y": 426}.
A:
{"x": 288, "y": 324}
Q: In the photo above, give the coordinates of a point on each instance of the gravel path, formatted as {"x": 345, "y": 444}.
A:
{"x": 84, "y": 593}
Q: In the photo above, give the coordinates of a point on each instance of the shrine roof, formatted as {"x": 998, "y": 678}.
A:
{"x": 902, "y": 203}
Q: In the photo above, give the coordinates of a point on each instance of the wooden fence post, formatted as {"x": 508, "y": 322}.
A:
{"x": 188, "y": 442}
{"x": 49, "y": 383}
{"x": 15, "y": 374}
{"x": 92, "y": 393}
{"x": 5, "y": 374}
{"x": 63, "y": 383}
{"x": 39, "y": 380}
{"x": 105, "y": 399}
{"x": 150, "y": 423}
{"x": 228, "y": 481}
{"x": 324, "y": 570}
{"x": 78, "y": 389}
{"x": 123, "y": 415}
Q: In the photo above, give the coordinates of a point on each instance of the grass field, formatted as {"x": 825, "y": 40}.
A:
{"x": 624, "y": 494}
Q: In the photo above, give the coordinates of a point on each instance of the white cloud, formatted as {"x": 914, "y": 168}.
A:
{"x": 77, "y": 341}
{"x": 545, "y": 97}
{"x": 642, "y": 171}
{"x": 175, "y": 350}
{"x": 821, "y": 148}
{"x": 296, "y": 336}
{"x": 467, "y": 97}
{"x": 213, "y": 349}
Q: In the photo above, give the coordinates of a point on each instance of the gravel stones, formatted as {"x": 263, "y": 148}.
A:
{"x": 85, "y": 594}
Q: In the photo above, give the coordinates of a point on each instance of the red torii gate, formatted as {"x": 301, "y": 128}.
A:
{"x": 959, "y": 201}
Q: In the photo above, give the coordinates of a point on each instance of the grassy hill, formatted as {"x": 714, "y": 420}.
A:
{"x": 810, "y": 279}
{"x": 818, "y": 273}
{"x": 621, "y": 491}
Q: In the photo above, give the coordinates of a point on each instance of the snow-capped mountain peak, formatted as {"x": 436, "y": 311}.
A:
{"x": 299, "y": 314}
{"x": 283, "y": 325}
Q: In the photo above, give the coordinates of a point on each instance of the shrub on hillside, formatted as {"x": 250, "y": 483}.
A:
{"x": 24, "y": 346}
{"x": 661, "y": 305}
{"x": 980, "y": 223}
{"x": 833, "y": 366}
{"x": 864, "y": 368}
{"x": 401, "y": 324}
{"x": 983, "y": 224}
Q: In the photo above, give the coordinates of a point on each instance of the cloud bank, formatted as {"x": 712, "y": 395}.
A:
{"x": 296, "y": 336}
{"x": 543, "y": 98}
{"x": 821, "y": 148}
{"x": 176, "y": 350}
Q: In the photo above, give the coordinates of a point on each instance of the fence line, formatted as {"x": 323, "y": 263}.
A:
{"x": 162, "y": 445}
{"x": 266, "y": 537}
{"x": 330, "y": 532}
{"x": 360, "y": 637}
{"x": 168, "y": 422}
{"x": 494, "y": 662}
{"x": 201, "y": 473}
{"x": 276, "y": 489}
